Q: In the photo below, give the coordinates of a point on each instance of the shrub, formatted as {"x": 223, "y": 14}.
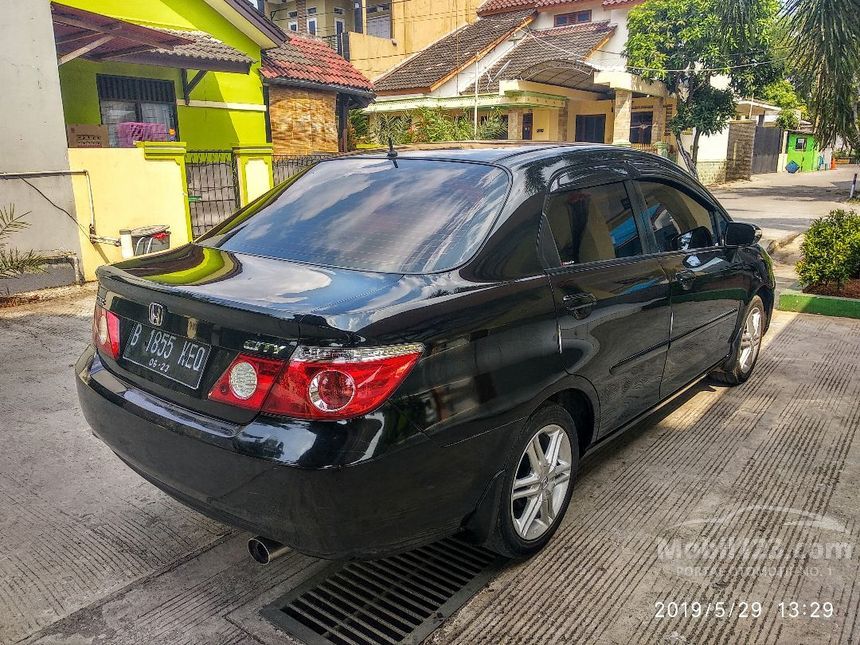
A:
{"x": 431, "y": 125}
{"x": 13, "y": 262}
{"x": 831, "y": 250}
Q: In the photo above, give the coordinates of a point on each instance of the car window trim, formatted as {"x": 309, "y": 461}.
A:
{"x": 553, "y": 270}
{"x": 704, "y": 202}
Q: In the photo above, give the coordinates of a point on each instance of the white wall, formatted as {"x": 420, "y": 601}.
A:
{"x": 32, "y": 130}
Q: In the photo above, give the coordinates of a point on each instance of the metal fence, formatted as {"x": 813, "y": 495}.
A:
{"x": 285, "y": 166}
{"x": 213, "y": 187}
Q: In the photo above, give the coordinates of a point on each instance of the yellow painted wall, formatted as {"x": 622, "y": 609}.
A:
{"x": 373, "y": 56}
{"x": 414, "y": 25}
{"x": 544, "y": 125}
{"x": 128, "y": 191}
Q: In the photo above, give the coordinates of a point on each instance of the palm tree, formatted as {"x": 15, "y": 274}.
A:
{"x": 13, "y": 263}
{"x": 822, "y": 53}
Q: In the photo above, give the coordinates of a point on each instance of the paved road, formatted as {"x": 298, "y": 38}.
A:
{"x": 784, "y": 204}
{"x": 90, "y": 553}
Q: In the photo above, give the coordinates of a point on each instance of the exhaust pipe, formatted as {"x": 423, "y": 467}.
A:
{"x": 264, "y": 550}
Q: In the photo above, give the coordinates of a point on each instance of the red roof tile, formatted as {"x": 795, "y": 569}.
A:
{"x": 439, "y": 60}
{"x": 498, "y": 6}
{"x": 310, "y": 60}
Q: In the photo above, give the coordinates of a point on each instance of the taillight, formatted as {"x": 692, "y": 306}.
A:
{"x": 246, "y": 382}
{"x": 106, "y": 331}
{"x": 339, "y": 383}
{"x": 318, "y": 382}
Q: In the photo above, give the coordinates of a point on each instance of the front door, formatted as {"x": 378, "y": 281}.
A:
{"x": 612, "y": 302}
{"x": 528, "y": 122}
{"x": 591, "y": 128}
{"x": 708, "y": 284}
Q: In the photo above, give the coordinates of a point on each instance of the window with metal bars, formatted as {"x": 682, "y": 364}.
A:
{"x": 137, "y": 109}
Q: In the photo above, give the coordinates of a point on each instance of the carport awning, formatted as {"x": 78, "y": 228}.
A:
{"x": 96, "y": 37}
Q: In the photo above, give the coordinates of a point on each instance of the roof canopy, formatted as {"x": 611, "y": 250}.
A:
{"x": 554, "y": 56}
{"x": 97, "y": 37}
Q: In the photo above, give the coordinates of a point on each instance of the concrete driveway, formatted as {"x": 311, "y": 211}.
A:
{"x": 783, "y": 204}
{"x": 731, "y": 496}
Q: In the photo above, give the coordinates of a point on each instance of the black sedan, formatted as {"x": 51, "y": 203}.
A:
{"x": 390, "y": 348}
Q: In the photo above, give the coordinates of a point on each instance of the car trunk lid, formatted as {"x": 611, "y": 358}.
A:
{"x": 187, "y": 313}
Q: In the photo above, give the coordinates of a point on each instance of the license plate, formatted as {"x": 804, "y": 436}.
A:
{"x": 175, "y": 357}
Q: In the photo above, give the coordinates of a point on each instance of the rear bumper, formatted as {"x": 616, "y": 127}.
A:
{"x": 321, "y": 488}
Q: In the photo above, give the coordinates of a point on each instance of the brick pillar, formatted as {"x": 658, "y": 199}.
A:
{"x": 658, "y": 131}
{"x": 515, "y": 125}
{"x": 302, "y": 18}
{"x": 562, "y": 121}
{"x": 621, "y": 130}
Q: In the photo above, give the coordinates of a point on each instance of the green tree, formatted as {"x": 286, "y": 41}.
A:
{"x": 821, "y": 47}
{"x": 783, "y": 94}
{"x": 13, "y": 262}
{"x": 683, "y": 44}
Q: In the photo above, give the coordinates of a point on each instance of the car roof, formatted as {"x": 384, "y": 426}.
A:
{"x": 496, "y": 152}
{"x": 511, "y": 155}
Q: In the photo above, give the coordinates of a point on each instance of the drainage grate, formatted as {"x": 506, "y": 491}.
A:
{"x": 400, "y": 599}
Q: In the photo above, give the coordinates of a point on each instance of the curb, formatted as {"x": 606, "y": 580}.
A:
{"x": 791, "y": 300}
{"x": 775, "y": 245}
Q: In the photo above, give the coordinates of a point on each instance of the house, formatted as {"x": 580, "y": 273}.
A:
{"x": 106, "y": 100}
{"x": 310, "y": 90}
{"x": 553, "y": 69}
{"x": 191, "y": 68}
{"x": 374, "y": 35}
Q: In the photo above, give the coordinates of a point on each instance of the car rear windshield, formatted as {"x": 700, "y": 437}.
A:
{"x": 392, "y": 216}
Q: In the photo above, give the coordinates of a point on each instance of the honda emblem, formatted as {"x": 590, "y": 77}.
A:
{"x": 156, "y": 314}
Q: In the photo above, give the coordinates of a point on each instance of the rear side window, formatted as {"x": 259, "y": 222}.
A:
{"x": 415, "y": 216}
{"x": 591, "y": 224}
{"x": 679, "y": 221}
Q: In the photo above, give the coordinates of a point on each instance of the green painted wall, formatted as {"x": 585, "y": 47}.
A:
{"x": 199, "y": 127}
{"x": 808, "y": 159}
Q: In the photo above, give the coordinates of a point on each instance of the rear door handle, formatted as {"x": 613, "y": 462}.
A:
{"x": 579, "y": 304}
{"x": 685, "y": 278}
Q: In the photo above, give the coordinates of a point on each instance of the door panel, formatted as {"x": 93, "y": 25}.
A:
{"x": 618, "y": 341}
{"x": 707, "y": 289}
{"x": 612, "y": 303}
{"x": 707, "y": 284}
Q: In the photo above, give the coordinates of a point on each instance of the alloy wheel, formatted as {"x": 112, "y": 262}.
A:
{"x": 541, "y": 482}
{"x": 750, "y": 339}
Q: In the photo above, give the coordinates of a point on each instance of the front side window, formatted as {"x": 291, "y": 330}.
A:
{"x": 800, "y": 144}
{"x": 592, "y": 224}
{"x": 136, "y": 109}
{"x": 412, "y": 216}
{"x": 679, "y": 221}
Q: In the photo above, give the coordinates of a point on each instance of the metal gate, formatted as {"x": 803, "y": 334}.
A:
{"x": 285, "y": 166}
{"x": 213, "y": 187}
{"x": 766, "y": 149}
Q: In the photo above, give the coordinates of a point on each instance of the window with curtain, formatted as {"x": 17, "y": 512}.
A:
{"x": 126, "y": 101}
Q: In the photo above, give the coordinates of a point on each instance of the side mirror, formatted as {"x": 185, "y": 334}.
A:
{"x": 742, "y": 234}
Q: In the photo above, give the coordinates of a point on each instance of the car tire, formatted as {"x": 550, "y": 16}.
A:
{"x": 535, "y": 492}
{"x": 740, "y": 365}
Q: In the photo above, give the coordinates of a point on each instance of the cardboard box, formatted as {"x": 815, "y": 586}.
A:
{"x": 87, "y": 136}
